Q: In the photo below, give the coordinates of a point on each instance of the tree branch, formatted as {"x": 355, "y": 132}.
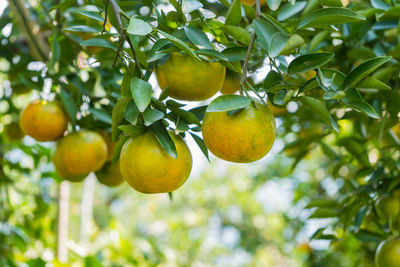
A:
{"x": 249, "y": 48}
{"x": 118, "y": 12}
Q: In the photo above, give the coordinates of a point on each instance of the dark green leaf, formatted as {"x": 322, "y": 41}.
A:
{"x": 100, "y": 43}
{"x": 101, "y": 115}
{"x": 118, "y": 115}
{"x": 198, "y": 37}
{"x": 289, "y": 10}
{"x": 141, "y": 93}
{"x": 201, "y": 145}
{"x": 329, "y": 16}
{"x": 318, "y": 107}
{"x": 70, "y": 106}
{"x": 180, "y": 44}
{"x": 234, "y": 13}
{"x": 308, "y": 62}
{"x": 228, "y": 102}
{"x": 362, "y": 70}
{"x": 164, "y": 138}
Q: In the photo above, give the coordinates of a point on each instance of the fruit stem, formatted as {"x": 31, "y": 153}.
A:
{"x": 249, "y": 48}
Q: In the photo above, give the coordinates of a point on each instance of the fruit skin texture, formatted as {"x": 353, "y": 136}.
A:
{"x": 388, "y": 207}
{"x": 190, "y": 79}
{"x": 243, "y": 137}
{"x": 43, "y": 120}
{"x": 231, "y": 84}
{"x": 148, "y": 168}
{"x": 388, "y": 253}
{"x": 80, "y": 153}
{"x": 110, "y": 175}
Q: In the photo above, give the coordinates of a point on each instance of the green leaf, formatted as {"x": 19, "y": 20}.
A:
{"x": 101, "y": 115}
{"x": 289, "y": 10}
{"x": 274, "y": 4}
{"x": 190, "y": 6}
{"x": 317, "y": 39}
{"x": 324, "y": 213}
{"x": 308, "y": 62}
{"x": 141, "y": 93}
{"x": 228, "y": 102}
{"x": 238, "y": 33}
{"x": 372, "y": 83}
{"x": 180, "y": 44}
{"x": 138, "y": 27}
{"x": 125, "y": 86}
{"x": 81, "y": 28}
{"x": 355, "y": 100}
{"x": 100, "y": 43}
{"x": 198, "y": 37}
{"x": 234, "y": 13}
{"x": 295, "y": 41}
{"x": 331, "y": 3}
{"x": 273, "y": 78}
{"x": 91, "y": 14}
{"x": 152, "y": 115}
{"x": 131, "y": 112}
{"x": 118, "y": 115}
{"x": 186, "y": 115}
{"x": 132, "y": 131}
{"x": 278, "y": 42}
{"x": 264, "y": 31}
{"x": 212, "y": 53}
{"x": 318, "y": 107}
{"x": 329, "y": 16}
{"x": 70, "y": 106}
{"x": 154, "y": 53}
{"x": 362, "y": 70}
{"x": 201, "y": 145}
{"x": 164, "y": 138}
{"x": 380, "y": 4}
{"x": 279, "y": 26}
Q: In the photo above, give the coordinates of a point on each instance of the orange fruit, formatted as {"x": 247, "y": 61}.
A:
{"x": 80, "y": 153}
{"x": 110, "y": 144}
{"x": 43, "y": 120}
{"x": 110, "y": 175}
{"x": 13, "y": 131}
{"x": 388, "y": 253}
{"x": 190, "y": 79}
{"x": 231, "y": 84}
{"x": 277, "y": 111}
{"x": 148, "y": 168}
{"x": 388, "y": 207}
{"x": 245, "y": 136}
{"x": 252, "y": 2}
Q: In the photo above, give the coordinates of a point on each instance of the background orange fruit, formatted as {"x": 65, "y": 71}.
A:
{"x": 80, "y": 153}
{"x": 148, "y": 168}
{"x": 231, "y": 84}
{"x": 43, "y": 120}
{"x": 190, "y": 79}
{"x": 243, "y": 137}
{"x": 388, "y": 253}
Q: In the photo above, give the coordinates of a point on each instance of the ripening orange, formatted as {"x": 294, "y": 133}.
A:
{"x": 148, "y": 168}
{"x": 80, "y": 153}
{"x": 231, "y": 84}
{"x": 43, "y": 120}
{"x": 190, "y": 79}
{"x": 243, "y": 137}
{"x": 388, "y": 253}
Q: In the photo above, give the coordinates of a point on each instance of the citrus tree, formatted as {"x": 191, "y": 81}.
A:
{"x": 120, "y": 85}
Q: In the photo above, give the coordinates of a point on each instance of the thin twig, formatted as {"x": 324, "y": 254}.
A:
{"x": 249, "y": 48}
{"x": 120, "y": 45}
{"x": 105, "y": 17}
{"x": 118, "y": 12}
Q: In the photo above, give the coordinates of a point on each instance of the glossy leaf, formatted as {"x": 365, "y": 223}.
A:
{"x": 234, "y": 13}
{"x": 164, "y": 138}
{"x": 198, "y": 37}
{"x": 329, "y": 16}
{"x": 228, "y": 102}
{"x": 308, "y": 62}
{"x": 141, "y": 93}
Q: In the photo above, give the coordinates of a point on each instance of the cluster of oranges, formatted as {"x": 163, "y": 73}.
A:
{"x": 243, "y": 136}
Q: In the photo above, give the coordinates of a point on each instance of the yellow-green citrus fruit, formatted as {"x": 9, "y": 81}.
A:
{"x": 80, "y": 153}
{"x": 388, "y": 206}
{"x": 190, "y": 79}
{"x": 277, "y": 111}
{"x": 252, "y": 2}
{"x": 388, "y": 253}
{"x": 13, "y": 131}
{"x": 245, "y": 136}
{"x": 43, "y": 120}
{"x": 110, "y": 144}
{"x": 231, "y": 84}
{"x": 110, "y": 174}
{"x": 148, "y": 168}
